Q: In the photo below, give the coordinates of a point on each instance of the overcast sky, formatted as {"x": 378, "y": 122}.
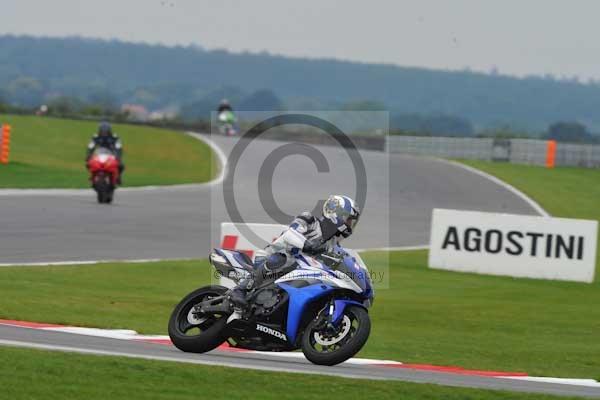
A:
{"x": 518, "y": 37}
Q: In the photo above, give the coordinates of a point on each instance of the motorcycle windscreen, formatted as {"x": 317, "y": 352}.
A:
{"x": 353, "y": 270}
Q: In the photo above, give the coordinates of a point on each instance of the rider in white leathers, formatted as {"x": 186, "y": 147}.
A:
{"x": 307, "y": 233}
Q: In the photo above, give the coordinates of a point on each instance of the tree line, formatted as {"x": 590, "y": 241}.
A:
{"x": 97, "y": 76}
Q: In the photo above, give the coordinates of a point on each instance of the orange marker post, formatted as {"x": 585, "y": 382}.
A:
{"x": 550, "y": 153}
{"x": 5, "y": 146}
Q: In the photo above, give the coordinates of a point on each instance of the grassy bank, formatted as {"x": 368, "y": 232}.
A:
{"x": 123, "y": 378}
{"x": 426, "y": 316}
{"x": 563, "y": 192}
{"x": 50, "y": 153}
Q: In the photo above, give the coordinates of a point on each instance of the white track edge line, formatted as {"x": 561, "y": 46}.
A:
{"x": 532, "y": 203}
{"x": 81, "y": 350}
{"x": 218, "y": 151}
{"x": 398, "y": 248}
{"x": 149, "y": 260}
{"x": 134, "y": 336}
{"x": 131, "y": 335}
{"x": 70, "y": 349}
{"x": 561, "y": 381}
{"x": 90, "y": 262}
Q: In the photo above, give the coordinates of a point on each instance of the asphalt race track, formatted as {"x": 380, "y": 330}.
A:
{"x": 183, "y": 222}
{"x": 25, "y": 337}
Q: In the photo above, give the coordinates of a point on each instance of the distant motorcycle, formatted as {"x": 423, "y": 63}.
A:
{"x": 104, "y": 174}
{"x": 320, "y": 306}
{"x": 227, "y": 123}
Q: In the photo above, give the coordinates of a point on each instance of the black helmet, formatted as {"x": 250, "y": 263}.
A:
{"x": 104, "y": 129}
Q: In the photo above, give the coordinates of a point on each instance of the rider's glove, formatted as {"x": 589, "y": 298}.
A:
{"x": 314, "y": 246}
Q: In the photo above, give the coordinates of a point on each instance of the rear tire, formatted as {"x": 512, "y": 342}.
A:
{"x": 212, "y": 330}
{"x": 342, "y": 348}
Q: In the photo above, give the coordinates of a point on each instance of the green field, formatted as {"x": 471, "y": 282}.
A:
{"x": 100, "y": 377}
{"x": 426, "y": 316}
{"x": 563, "y": 192}
{"x": 50, "y": 153}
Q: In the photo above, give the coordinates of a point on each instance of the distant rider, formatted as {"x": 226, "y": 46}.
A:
{"x": 105, "y": 138}
{"x": 226, "y": 119}
{"x": 224, "y": 106}
{"x": 307, "y": 233}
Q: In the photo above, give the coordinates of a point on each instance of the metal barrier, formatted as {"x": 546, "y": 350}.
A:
{"x": 579, "y": 155}
{"x": 518, "y": 151}
{"x": 528, "y": 151}
{"x": 478, "y": 149}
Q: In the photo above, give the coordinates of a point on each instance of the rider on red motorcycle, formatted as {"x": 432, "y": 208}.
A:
{"x": 106, "y": 139}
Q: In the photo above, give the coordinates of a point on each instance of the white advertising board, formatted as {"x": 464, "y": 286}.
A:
{"x": 513, "y": 245}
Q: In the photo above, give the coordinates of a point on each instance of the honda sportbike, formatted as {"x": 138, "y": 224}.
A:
{"x": 321, "y": 307}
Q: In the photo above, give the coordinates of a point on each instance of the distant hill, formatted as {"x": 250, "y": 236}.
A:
{"x": 191, "y": 78}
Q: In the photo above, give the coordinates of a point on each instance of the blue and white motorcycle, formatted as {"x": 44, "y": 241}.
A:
{"x": 320, "y": 307}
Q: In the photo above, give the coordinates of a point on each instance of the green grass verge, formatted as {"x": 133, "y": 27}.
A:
{"x": 563, "y": 192}
{"x": 426, "y": 316}
{"x": 35, "y": 374}
{"x": 50, "y": 153}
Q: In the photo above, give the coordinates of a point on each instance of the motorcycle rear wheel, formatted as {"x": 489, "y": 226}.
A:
{"x": 183, "y": 321}
{"x": 330, "y": 348}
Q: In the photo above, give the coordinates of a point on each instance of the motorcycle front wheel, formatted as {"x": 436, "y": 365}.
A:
{"x": 104, "y": 189}
{"x": 102, "y": 196}
{"x": 193, "y": 332}
{"x": 330, "y": 346}
{"x": 109, "y": 196}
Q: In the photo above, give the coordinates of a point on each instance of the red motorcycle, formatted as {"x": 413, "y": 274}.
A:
{"x": 104, "y": 174}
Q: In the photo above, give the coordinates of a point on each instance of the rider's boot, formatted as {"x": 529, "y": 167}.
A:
{"x": 238, "y": 294}
{"x": 119, "y": 178}
{"x": 264, "y": 267}
{"x": 238, "y": 297}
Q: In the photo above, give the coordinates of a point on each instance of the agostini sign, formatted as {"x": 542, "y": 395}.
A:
{"x": 514, "y": 245}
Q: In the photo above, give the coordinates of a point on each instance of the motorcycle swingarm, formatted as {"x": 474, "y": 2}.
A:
{"x": 216, "y": 305}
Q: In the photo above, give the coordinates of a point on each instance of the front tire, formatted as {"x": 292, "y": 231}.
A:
{"x": 194, "y": 333}
{"x": 109, "y": 196}
{"x": 330, "y": 348}
{"x": 101, "y": 196}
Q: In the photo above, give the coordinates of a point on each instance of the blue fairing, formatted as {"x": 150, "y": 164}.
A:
{"x": 340, "y": 306}
{"x": 299, "y": 298}
{"x": 360, "y": 276}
